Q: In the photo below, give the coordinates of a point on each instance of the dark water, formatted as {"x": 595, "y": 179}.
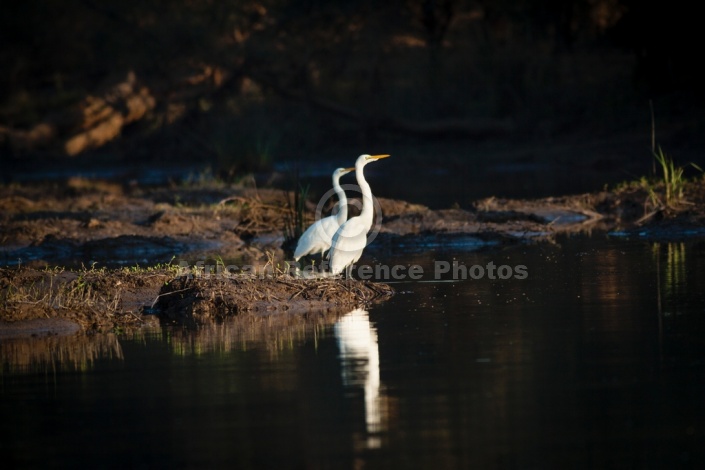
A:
{"x": 433, "y": 175}
{"x": 595, "y": 360}
{"x": 424, "y": 182}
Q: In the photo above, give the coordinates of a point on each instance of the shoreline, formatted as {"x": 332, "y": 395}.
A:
{"x": 97, "y": 221}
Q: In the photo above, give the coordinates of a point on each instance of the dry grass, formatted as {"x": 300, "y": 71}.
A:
{"x": 96, "y": 299}
{"x": 104, "y": 300}
{"x": 199, "y": 299}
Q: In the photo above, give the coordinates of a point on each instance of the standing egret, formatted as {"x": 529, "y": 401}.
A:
{"x": 318, "y": 237}
{"x": 351, "y": 238}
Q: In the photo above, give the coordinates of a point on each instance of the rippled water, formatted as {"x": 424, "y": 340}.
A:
{"x": 595, "y": 359}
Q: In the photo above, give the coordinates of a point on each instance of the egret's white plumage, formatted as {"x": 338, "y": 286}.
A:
{"x": 318, "y": 237}
{"x": 351, "y": 238}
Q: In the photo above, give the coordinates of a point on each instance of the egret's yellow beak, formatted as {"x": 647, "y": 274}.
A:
{"x": 348, "y": 170}
{"x": 377, "y": 157}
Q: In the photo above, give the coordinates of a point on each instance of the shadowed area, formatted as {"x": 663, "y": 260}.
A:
{"x": 531, "y": 86}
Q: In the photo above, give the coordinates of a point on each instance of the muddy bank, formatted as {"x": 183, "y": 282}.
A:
{"x": 193, "y": 300}
{"x": 54, "y": 302}
{"x": 92, "y": 299}
{"x": 100, "y": 225}
{"x": 83, "y": 222}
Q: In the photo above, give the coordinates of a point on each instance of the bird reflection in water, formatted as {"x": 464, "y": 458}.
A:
{"x": 359, "y": 354}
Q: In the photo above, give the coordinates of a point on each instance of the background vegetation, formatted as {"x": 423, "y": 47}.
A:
{"x": 239, "y": 84}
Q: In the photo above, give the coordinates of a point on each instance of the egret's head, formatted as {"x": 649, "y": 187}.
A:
{"x": 364, "y": 159}
{"x": 342, "y": 171}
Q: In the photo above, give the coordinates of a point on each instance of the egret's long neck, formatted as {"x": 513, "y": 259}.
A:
{"x": 342, "y": 214}
{"x": 367, "y": 209}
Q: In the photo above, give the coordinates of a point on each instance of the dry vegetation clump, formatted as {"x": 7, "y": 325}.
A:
{"x": 105, "y": 300}
{"x": 194, "y": 300}
{"x": 96, "y": 299}
{"x": 257, "y": 215}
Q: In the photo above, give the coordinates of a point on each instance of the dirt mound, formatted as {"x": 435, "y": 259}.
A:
{"x": 188, "y": 299}
{"x": 95, "y": 299}
{"x": 105, "y": 300}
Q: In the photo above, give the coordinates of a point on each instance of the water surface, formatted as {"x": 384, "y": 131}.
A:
{"x": 595, "y": 359}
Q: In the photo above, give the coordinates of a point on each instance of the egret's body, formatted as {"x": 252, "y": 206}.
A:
{"x": 319, "y": 236}
{"x": 351, "y": 238}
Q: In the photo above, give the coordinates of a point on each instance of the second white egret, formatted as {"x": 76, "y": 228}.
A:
{"x": 318, "y": 237}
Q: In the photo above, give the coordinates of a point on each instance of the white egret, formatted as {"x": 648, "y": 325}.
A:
{"x": 318, "y": 237}
{"x": 351, "y": 238}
